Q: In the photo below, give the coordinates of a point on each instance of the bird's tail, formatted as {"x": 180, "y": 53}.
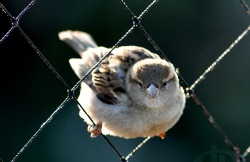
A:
{"x": 79, "y": 41}
{"x": 86, "y": 47}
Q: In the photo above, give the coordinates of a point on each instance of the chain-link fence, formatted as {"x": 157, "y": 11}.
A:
{"x": 192, "y": 35}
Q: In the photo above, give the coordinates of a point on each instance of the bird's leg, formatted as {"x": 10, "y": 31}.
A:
{"x": 95, "y": 130}
{"x": 162, "y": 135}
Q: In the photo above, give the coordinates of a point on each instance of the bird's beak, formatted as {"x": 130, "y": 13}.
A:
{"x": 152, "y": 91}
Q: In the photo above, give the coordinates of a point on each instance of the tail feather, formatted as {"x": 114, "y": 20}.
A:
{"x": 86, "y": 47}
{"x": 79, "y": 41}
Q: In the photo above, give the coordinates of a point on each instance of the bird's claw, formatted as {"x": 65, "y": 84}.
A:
{"x": 95, "y": 130}
{"x": 162, "y": 135}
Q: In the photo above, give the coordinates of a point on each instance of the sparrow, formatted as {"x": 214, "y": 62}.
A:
{"x": 131, "y": 93}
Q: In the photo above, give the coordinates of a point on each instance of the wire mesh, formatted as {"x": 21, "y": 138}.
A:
{"x": 15, "y": 25}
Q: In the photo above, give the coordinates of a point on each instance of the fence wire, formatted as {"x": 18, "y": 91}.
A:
{"x": 189, "y": 88}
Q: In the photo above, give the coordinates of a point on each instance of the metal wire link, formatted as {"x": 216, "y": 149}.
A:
{"x": 241, "y": 157}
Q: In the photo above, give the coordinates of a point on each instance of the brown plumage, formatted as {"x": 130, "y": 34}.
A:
{"x": 132, "y": 93}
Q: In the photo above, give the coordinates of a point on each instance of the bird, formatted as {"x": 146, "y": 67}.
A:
{"x": 131, "y": 93}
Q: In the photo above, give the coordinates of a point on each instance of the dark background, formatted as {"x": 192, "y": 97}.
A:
{"x": 191, "y": 33}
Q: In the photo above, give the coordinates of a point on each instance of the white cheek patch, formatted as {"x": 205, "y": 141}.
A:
{"x": 171, "y": 71}
{"x": 133, "y": 75}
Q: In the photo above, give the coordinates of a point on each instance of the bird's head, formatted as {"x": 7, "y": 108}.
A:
{"x": 150, "y": 82}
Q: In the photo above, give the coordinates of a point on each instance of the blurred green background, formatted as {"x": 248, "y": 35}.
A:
{"x": 191, "y": 33}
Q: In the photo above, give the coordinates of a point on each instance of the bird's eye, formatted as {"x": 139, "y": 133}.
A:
{"x": 164, "y": 84}
{"x": 140, "y": 84}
